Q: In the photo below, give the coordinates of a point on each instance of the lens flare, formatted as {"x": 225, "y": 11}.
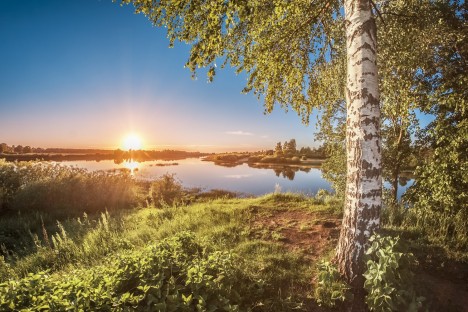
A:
{"x": 132, "y": 142}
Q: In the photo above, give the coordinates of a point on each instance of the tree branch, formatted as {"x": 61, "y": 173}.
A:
{"x": 378, "y": 12}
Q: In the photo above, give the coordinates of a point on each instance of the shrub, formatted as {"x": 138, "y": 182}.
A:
{"x": 331, "y": 200}
{"x": 438, "y": 201}
{"x": 295, "y": 160}
{"x": 5, "y": 271}
{"x": 322, "y": 195}
{"x": 269, "y": 159}
{"x": 228, "y": 157}
{"x": 166, "y": 190}
{"x": 331, "y": 290}
{"x": 389, "y": 277}
{"x": 255, "y": 158}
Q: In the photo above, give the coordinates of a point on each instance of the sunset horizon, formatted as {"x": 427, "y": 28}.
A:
{"x": 149, "y": 147}
{"x": 104, "y": 72}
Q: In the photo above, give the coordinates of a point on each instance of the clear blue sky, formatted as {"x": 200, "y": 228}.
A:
{"x": 84, "y": 73}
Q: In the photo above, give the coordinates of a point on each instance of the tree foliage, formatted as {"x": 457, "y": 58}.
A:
{"x": 439, "y": 197}
{"x": 278, "y": 149}
{"x": 282, "y": 46}
{"x": 290, "y": 147}
{"x": 422, "y": 68}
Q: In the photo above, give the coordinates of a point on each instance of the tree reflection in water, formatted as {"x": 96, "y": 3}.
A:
{"x": 287, "y": 172}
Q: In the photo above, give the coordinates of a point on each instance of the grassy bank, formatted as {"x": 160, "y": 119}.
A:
{"x": 269, "y": 268}
{"x": 80, "y": 241}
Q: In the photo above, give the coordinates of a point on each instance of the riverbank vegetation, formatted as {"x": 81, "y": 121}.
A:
{"x": 159, "y": 246}
{"x": 286, "y": 154}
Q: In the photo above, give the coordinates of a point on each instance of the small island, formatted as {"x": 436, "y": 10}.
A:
{"x": 285, "y": 154}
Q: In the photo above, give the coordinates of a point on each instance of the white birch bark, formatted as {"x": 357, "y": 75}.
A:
{"x": 364, "y": 184}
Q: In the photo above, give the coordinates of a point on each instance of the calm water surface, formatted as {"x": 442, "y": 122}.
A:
{"x": 194, "y": 172}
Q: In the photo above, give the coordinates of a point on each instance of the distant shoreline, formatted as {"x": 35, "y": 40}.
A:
{"x": 117, "y": 156}
{"x": 56, "y": 157}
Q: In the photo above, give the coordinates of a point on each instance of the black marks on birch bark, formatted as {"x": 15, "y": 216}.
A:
{"x": 363, "y": 186}
{"x": 366, "y": 28}
{"x": 365, "y": 45}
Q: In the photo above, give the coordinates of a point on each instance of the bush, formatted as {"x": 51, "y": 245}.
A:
{"x": 295, "y": 160}
{"x": 255, "y": 159}
{"x": 438, "y": 201}
{"x": 389, "y": 277}
{"x": 331, "y": 290}
{"x": 5, "y": 271}
{"x": 228, "y": 157}
{"x": 166, "y": 190}
{"x": 269, "y": 159}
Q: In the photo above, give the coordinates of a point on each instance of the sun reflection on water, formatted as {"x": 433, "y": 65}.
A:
{"x": 132, "y": 165}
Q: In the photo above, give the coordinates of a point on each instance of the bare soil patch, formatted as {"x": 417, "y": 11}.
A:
{"x": 316, "y": 233}
{"x": 309, "y": 232}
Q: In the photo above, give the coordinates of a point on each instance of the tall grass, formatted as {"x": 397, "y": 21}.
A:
{"x": 271, "y": 274}
{"x": 63, "y": 190}
{"x": 53, "y": 215}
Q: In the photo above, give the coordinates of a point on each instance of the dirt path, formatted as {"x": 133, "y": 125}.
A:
{"x": 309, "y": 232}
{"x": 316, "y": 233}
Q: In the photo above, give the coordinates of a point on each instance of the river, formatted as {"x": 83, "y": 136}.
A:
{"x": 193, "y": 172}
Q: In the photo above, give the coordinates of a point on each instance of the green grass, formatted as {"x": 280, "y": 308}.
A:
{"x": 98, "y": 241}
{"x": 77, "y": 245}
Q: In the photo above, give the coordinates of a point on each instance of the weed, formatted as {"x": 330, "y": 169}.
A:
{"x": 389, "y": 277}
{"x": 277, "y": 236}
{"x": 331, "y": 290}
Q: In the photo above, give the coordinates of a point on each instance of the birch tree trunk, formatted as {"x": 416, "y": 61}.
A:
{"x": 363, "y": 195}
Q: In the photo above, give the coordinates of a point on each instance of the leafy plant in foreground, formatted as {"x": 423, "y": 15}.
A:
{"x": 389, "y": 278}
{"x": 176, "y": 274}
{"x": 331, "y": 289}
{"x": 5, "y": 270}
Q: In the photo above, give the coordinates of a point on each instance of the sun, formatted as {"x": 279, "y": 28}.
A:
{"x": 132, "y": 142}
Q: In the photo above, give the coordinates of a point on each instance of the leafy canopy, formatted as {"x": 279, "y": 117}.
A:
{"x": 281, "y": 45}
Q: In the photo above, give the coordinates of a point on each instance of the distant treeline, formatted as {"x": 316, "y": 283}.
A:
{"x": 26, "y": 153}
{"x": 141, "y": 155}
{"x": 20, "y": 149}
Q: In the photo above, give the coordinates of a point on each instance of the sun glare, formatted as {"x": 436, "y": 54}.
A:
{"x": 132, "y": 166}
{"x": 132, "y": 142}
